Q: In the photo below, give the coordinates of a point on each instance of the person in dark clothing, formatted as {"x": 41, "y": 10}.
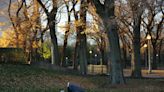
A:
{"x": 74, "y": 88}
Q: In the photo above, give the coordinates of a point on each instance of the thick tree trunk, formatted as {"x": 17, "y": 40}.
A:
{"x": 136, "y": 63}
{"x": 55, "y": 52}
{"x": 83, "y": 54}
{"x": 116, "y": 68}
{"x": 107, "y": 13}
{"x": 82, "y": 38}
{"x": 75, "y": 61}
{"x": 136, "y": 71}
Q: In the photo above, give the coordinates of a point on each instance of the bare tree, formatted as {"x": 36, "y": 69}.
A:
{"x": 51, "y": 18}
{"x": 63, "y": 63}
{"x": 130, "y": 23}
{"x": 76, "y": 16}
{"x": 106, "y": 13}
{"x": 154, "y": 25}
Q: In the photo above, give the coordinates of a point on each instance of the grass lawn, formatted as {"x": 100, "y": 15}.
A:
{"x": 25, "y": 78}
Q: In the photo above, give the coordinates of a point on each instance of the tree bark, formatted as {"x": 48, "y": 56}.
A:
{"x": 154, "y": 63}
{"x": 116, "y": 68}
{"x": 51, "y": 16}
{"x": 106, "y": 12}
{"x": 76, "y": 54}
{"x": 83, "y": 54}
{"x": 159, "y": 51}
{"x": 51, "y": 24}
{"x": 75, "y": 61}
{"x": 82, "y": 38}
{"x": 66, "y": 37}
{"x": 136, "y": 63}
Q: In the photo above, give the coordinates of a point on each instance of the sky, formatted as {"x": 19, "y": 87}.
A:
{"x": 3, "y": 13}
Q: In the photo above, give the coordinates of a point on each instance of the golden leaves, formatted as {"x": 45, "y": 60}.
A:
{"x": 2, "y": 23}
{"x": 7, "y": 38}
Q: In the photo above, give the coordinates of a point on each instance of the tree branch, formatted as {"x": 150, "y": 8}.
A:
{"x": 43, "y": 6}
{"x": 99, "y": 7}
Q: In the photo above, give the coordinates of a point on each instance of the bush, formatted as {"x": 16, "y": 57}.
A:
{"x": 12, "y": 55}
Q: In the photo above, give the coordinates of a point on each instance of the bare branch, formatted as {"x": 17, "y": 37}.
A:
{"x": 43, "y": 6}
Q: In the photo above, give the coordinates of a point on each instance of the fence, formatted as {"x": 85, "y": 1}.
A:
{"x": 97, "y": 69}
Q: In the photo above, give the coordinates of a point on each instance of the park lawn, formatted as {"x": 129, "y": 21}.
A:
{"x": 26, "y": 78}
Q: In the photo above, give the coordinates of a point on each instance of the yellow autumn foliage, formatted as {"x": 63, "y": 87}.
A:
{"x": 7, "y": 39}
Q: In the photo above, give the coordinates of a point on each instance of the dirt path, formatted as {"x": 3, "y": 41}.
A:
{"x": 154, "y": 74}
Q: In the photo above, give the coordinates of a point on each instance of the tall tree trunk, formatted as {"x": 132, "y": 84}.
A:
{"x": 75, "y": 61}
{"x": 154, "y": 44}
{"x": 76, "y": 54}
{"x": 55, "y": 54}
{"x": 136, "y": 63}
{"x": 82, "y": 38}
{"x": 159, "y": 51}
{"x": 106, "y": 12}
{"x": 66, "y": 37}
{"x": 83, "y": 54}
{"x": 51, "y": 23}
{"x": 63, "y": 62}
{"x": 116, "y": 68}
